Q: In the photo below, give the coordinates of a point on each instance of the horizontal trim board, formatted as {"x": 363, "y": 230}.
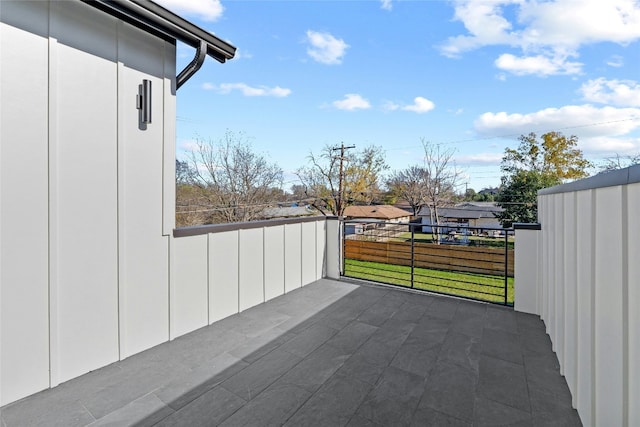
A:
{"x": 630, "y": 175}
{"x": 233, "y": 226}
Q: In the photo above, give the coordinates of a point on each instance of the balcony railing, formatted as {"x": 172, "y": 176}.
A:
{"x": 453, "y": 259}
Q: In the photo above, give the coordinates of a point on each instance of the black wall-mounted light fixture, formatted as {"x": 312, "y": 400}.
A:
{"x": 144, "y": 102}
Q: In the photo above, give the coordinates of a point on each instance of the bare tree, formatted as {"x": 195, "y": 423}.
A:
{"x": 411, "y": 186}
{"x": 360, "y": 178}
{"x": 619, "y": 162}
{"x": 442, "y": 182}
{"x": 236, "y": 182}
{"x": 431, "y": 184}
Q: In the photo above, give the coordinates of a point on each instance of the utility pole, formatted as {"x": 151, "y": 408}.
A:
{"x": 342, "y": 149}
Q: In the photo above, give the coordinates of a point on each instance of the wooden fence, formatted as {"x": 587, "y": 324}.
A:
{"x": 466, "y": 259}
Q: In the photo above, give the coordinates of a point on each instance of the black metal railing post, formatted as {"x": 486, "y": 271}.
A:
{"x": 506, "y": 266}
{"x": 343, "y": 236}
{"x": 413, "y": 233}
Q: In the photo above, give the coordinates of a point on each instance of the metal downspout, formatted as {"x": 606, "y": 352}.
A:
{"x": 194, "y": 65}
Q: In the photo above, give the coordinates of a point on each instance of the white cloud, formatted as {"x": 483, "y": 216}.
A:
{"x": 386, "y": 4}
{"x": 242, "y": 54}
{"x": 208, "y": 10}
{"x": 624, "y": 93}
{"x": 552, "y": 29}
{"x": 615, "y": 61}
{"x": 325, "y": 48}
{"x": 604, "y": 145}
{"x": 420, "y": 105}
{"x": 600, "y": 130}
{"x": 539, "y": 65}
{"x": 247, "y": 90}
{"x": 587, "y": 119}
{"x": 390, "y": 106}
{"x": 480, "y": 159}
{"x": 352, "y": 102}
{"x": 188, "y": 145}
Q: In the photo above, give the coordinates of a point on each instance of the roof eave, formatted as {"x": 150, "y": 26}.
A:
{"x": 156, "y": 19}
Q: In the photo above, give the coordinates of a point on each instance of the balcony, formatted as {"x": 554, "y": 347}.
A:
{"x": 329, "y": 353}
{"x": 255, "y": 324}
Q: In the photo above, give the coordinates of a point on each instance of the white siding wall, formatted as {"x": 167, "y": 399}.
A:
{"x": 83, "y": 262}
{"x": 24, "y": 222}
{"x": 526, "y": 298}
{"x": 589, "y": 278}
{"x": 273, "y": 262}
{"x": 83, "y": 161}
{"x": 189, "y": 285}
{"x": 89, "y": 271}
{"x": 245, "y": 267}
{"x": 142, "y": 250}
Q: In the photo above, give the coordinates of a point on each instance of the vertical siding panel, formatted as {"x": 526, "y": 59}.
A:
{"x": 251, "y": 268}
{"x": 584, "y": 286}
{"x": 308, "y": 255}
{"x": 189, "y": 274}
{"x": 143, "y": 250}
{"x": 608, "y": 307}
{"x": 223, "y": 275}
{"x": 321, "y": 237}
{"x": 273, "y": 261}
{"x": 633, "y": 300}
{"x": 83, "y": 192}
{"x": 570, "y": 295}
{"x": 292, "y": 257}
{"x": 24, "y": 233}
{"x": 559, "y": 303}
{"x": 169, "y": 141}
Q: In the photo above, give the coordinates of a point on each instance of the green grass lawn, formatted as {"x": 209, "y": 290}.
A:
{"x": 476, "y": 286}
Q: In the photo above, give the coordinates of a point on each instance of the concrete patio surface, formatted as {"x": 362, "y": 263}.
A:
{"x": 329, "y": 354}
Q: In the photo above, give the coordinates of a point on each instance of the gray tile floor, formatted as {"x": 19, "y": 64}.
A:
{"x": 332, "y": 353}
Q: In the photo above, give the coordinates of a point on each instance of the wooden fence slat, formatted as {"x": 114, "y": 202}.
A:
{"x": 440, "y": 257}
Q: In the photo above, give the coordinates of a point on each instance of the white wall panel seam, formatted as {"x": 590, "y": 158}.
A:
{"x": 208, "y": 279}
{"x": 120, "y": 220}
{"x": 239, "y": 267}
{"x": 54, "y": 371}
{"x": 625, "y": 305}
{"x": 264, "y": 263}
{"x": 594, "y": 220}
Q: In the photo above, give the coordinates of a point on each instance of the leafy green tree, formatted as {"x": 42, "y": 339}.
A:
{"x": 534, "y": 165}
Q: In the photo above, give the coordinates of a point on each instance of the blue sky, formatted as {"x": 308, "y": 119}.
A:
{"x": 469, "y": 74}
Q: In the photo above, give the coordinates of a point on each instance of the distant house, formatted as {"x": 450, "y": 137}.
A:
{"x": 466, "y": 214}
{"x": 385, "y": 213}
{"x": 289, "y": 212}
{"x": 374, "y": 217}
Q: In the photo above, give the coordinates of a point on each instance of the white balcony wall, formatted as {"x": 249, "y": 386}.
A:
{"x": 242, "y": 267}
{"x": 90, "y": 272}
{"x": 588, "y": 283}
